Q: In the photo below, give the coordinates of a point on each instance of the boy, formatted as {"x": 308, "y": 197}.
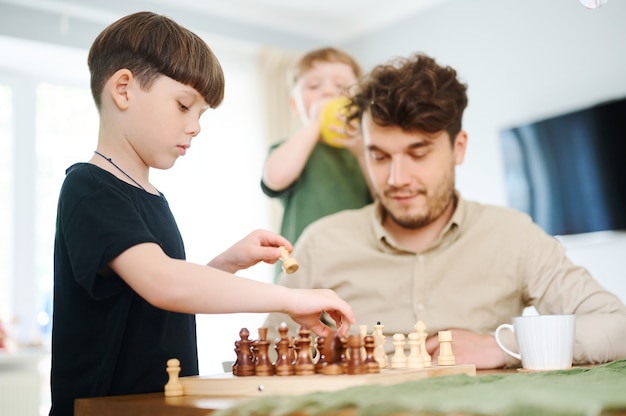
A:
{"x": 312, "y": 178}
{"x": 124, "y": 297}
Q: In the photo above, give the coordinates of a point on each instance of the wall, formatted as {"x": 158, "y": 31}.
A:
{"x": 523, "y": 60}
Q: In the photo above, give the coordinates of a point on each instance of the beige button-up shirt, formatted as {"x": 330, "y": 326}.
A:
{"x": 487, "y": 265}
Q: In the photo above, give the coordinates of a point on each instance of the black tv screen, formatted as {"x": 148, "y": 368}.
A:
{"x": 569, "y": 172}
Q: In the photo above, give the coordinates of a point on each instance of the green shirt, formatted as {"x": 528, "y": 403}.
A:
{"x": 331, "y": 181}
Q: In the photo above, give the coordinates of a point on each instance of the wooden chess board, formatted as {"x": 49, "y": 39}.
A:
{"x": 228, "y": 385}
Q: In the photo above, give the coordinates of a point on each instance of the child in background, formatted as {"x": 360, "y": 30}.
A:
{"x": 124, "y": 297}
{"x": 311, "y": 177}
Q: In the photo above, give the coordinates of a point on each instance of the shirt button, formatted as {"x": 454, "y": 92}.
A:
{"x": 420, "y": 306}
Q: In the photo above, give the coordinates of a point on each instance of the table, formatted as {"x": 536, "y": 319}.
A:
{"x": 597, "y": 390}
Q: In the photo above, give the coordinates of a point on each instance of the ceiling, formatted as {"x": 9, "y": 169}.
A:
{"x": 286, "y": 22}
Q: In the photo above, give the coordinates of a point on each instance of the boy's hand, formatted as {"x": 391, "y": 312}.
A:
{"x": 258, "y": 246}
{"x": 306, "y": 307}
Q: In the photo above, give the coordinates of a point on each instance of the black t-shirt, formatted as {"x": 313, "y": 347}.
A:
{"x": 106, "y": 339}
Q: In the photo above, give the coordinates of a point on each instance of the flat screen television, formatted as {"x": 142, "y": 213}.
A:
{"x": 569, "y": 172}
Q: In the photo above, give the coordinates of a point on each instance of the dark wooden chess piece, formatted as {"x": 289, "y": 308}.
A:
{"x": 245, "y": 359}
{"x": 322, "y": 359}
{"x": 284, "y": 363}
{"x": 355, "y": 361}
{"x": 304, "y": 363}
{"x": 370, "y": 362}
{"x": 263, "y": 366}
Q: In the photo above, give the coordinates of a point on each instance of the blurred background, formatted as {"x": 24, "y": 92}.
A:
{"x": 525, "y": 61}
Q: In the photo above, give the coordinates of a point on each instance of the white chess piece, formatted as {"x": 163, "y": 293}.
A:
{"x": 415, "y": 359}
{"x": 173, "y": 387}
{"x": 420, "y": 328}
{"x": 399, "y": 358}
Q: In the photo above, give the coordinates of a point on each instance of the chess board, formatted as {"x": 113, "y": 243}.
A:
{"x": 228, "y": 385}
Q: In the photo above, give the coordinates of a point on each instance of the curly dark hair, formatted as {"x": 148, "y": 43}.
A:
{"x": 415, "y": 94}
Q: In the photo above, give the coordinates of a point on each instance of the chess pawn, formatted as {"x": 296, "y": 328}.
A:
{"x": 415, "y": 359}
{"x": 355, "y": 362}
{"x": 263, "y": 365}
{"x": 445, "y": 349}
{"x": 173, "y": 387}
{"x": 370, "y": 362}
{"x": 304, "y": 363}
{"x": 399, "y": 358}
{"x": 284, "y": 362}
{"x": 245, "y": 358}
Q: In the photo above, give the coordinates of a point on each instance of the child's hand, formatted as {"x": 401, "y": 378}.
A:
{"x": 259, "y": 245}
{"x": 307, "y": 305}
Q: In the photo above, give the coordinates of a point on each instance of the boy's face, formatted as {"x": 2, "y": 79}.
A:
{"x": 163, "y": 120}
{"x": 325, "y": 80}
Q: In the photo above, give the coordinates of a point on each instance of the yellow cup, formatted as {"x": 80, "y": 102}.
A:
{"x": 329, "y": 117}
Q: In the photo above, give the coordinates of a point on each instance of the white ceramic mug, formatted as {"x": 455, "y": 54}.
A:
{"x": 545, "y": 342}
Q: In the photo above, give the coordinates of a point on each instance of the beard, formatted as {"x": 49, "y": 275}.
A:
{"x": 435, "y": 203}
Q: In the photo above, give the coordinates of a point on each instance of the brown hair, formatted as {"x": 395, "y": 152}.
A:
{"x": 328, "y": 54}
{"x": 150, "y": 45}
{"x": 415, "y": 94}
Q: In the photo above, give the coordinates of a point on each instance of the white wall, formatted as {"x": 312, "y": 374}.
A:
{"x": 523, "y": 60}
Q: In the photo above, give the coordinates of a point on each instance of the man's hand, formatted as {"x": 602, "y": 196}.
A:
{"x": 470, "y": 348}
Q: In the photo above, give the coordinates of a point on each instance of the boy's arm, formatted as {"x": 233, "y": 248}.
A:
{"x": 181, "y": 286}
{"x": 285, "y": 163}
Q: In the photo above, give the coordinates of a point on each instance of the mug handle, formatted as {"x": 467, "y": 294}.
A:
{"x": 505, "y": 349}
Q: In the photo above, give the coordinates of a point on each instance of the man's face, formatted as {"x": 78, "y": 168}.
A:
{"x": 412, "y": 173}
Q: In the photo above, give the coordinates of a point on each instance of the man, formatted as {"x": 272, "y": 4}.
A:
{"x": 421, "y": 252}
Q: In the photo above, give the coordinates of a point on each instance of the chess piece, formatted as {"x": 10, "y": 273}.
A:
{"x": 399, "y": 358}
{"x": 415, "y": 359}
{"x": 445, "y": 349}
{"x": 355, "y": 361}
{"x": 290, "y": 265}
{"x": 363, "y": 333}
{"x": 370, "y": 362}
{"x": 333, "y": 350}
{"x": 304, "y": 363}
{"x": 379, "y": 346}
{"x": 322, "y": 358}
{"x": 420, "y": 329}
{"x": 262, "y": 364}
{"x": 173, "y": 387}
{"x": 245, "y": 359}
{"x": 284, "y": 362}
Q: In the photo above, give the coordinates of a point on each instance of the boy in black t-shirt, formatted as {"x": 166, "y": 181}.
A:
{"x": 124, "y": 296}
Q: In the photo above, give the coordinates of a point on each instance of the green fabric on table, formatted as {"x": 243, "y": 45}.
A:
{"x": 577, "y": 391}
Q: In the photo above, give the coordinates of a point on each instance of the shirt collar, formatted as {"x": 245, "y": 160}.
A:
{"x": 447, "y": 235}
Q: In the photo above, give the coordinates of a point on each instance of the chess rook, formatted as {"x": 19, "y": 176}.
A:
{"x": 445, "y": 349}
{"x": 356, "y": 365}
